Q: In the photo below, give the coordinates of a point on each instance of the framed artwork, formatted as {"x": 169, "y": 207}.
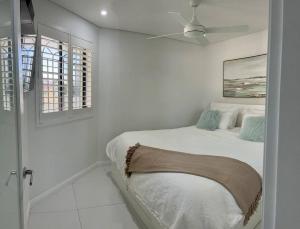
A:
{"x": 245, "y": 77}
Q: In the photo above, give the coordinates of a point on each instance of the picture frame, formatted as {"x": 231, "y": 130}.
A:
{"x": 245, "y": 77}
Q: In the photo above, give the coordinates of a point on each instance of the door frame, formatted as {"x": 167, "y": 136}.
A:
{"x": 275, "y": 39}
{"x": 19, "y": 102}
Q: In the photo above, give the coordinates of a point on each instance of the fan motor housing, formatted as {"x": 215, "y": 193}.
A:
{"x": 193, "y": 31}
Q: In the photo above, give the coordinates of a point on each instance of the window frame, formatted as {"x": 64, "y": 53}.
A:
{"x": 52, "y": 118}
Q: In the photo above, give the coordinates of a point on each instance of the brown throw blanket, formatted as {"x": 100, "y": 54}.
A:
{"x": 240, "y": 179}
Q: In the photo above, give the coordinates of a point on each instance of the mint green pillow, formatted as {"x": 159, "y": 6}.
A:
{"x": 209, "y": 120}
{"x": 253, "y": 129}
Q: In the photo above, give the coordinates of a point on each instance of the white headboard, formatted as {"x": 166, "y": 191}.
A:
{"x": 243, "y": 109}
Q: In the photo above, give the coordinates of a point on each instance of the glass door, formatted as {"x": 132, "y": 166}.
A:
{"x": 11, "y": 216}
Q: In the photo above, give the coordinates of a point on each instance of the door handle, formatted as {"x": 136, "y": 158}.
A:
{"x": 27, "y": 172}
{"x": 11, "y": 173}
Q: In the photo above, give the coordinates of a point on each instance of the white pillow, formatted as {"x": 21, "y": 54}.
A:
{"x": 228, "y": 119}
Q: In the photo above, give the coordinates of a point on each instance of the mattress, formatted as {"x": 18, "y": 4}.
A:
{"x": 177, "y": 200}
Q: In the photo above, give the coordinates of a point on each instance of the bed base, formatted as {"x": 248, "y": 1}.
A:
{"x": 147, "y": 221}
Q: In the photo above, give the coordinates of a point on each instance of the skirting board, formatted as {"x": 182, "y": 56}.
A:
{"x": 27, "y": 215}
{"x": 61, "y": 185}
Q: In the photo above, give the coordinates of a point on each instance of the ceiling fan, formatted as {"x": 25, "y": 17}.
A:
{"x": 194, "y": 30}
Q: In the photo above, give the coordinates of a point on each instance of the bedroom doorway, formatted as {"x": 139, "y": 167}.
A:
{"x": 80, "y": 140}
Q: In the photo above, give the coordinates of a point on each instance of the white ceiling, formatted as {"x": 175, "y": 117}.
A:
{"x": 151, "y": 17}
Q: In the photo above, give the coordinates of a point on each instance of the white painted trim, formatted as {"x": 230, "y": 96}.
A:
{"x": 275, "y": 45}
{"x": 19, "y": 115}
{"x": 27, "y": 215}
{"x": 66, "y": 182}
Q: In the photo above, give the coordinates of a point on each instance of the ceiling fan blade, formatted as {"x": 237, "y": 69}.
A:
{"x": 227, "y": 29}
{"x": 179, "y": 18}
{"x": 165, "y": 35}
{"x": 202, "y": 40}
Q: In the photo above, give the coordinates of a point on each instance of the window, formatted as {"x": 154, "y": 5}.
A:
{"x": 28, "y": 53}
{"x": 54, "y": 71}
{"x": 6, "y": 69}
{"x": 6, "y": 75}
{"x": 82, "y": 77}
{"x": 65, "y": 77}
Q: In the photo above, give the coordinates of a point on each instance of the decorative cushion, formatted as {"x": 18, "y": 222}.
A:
{"x": 253, "y": 129}
{"x": 209, "y": 120}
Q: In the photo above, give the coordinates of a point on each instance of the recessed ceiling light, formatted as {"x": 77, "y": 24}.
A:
{"x": 103, "y": 12}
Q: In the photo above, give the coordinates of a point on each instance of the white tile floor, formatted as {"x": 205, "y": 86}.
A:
{"x": 92, "y": 202}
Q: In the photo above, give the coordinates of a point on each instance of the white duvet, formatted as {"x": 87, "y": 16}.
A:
{"x": 182, "y": 201}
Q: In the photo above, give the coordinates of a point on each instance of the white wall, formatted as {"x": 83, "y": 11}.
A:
{"x": 215, "y": 54}
{"x": 58, "y": 152}
{"x": 147, "y": 84}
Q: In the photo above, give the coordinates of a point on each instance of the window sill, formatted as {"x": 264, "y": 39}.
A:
{"x": 65, "y": 119}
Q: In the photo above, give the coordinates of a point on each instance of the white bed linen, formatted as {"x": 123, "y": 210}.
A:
{"x": 182, "y": 201}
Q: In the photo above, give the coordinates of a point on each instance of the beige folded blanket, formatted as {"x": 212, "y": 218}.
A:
{"x": 239, "y": 178}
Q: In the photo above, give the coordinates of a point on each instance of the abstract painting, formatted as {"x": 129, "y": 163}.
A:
{"x": 245, "y": 77}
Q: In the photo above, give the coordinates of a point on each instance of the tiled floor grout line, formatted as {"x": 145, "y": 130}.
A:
{"x": 53, "y": 211}
{"x": 76, "y": 205}
{"x": 102, "y": 206}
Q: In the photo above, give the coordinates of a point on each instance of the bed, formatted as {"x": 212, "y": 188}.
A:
{"x": 178, "y": 201}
